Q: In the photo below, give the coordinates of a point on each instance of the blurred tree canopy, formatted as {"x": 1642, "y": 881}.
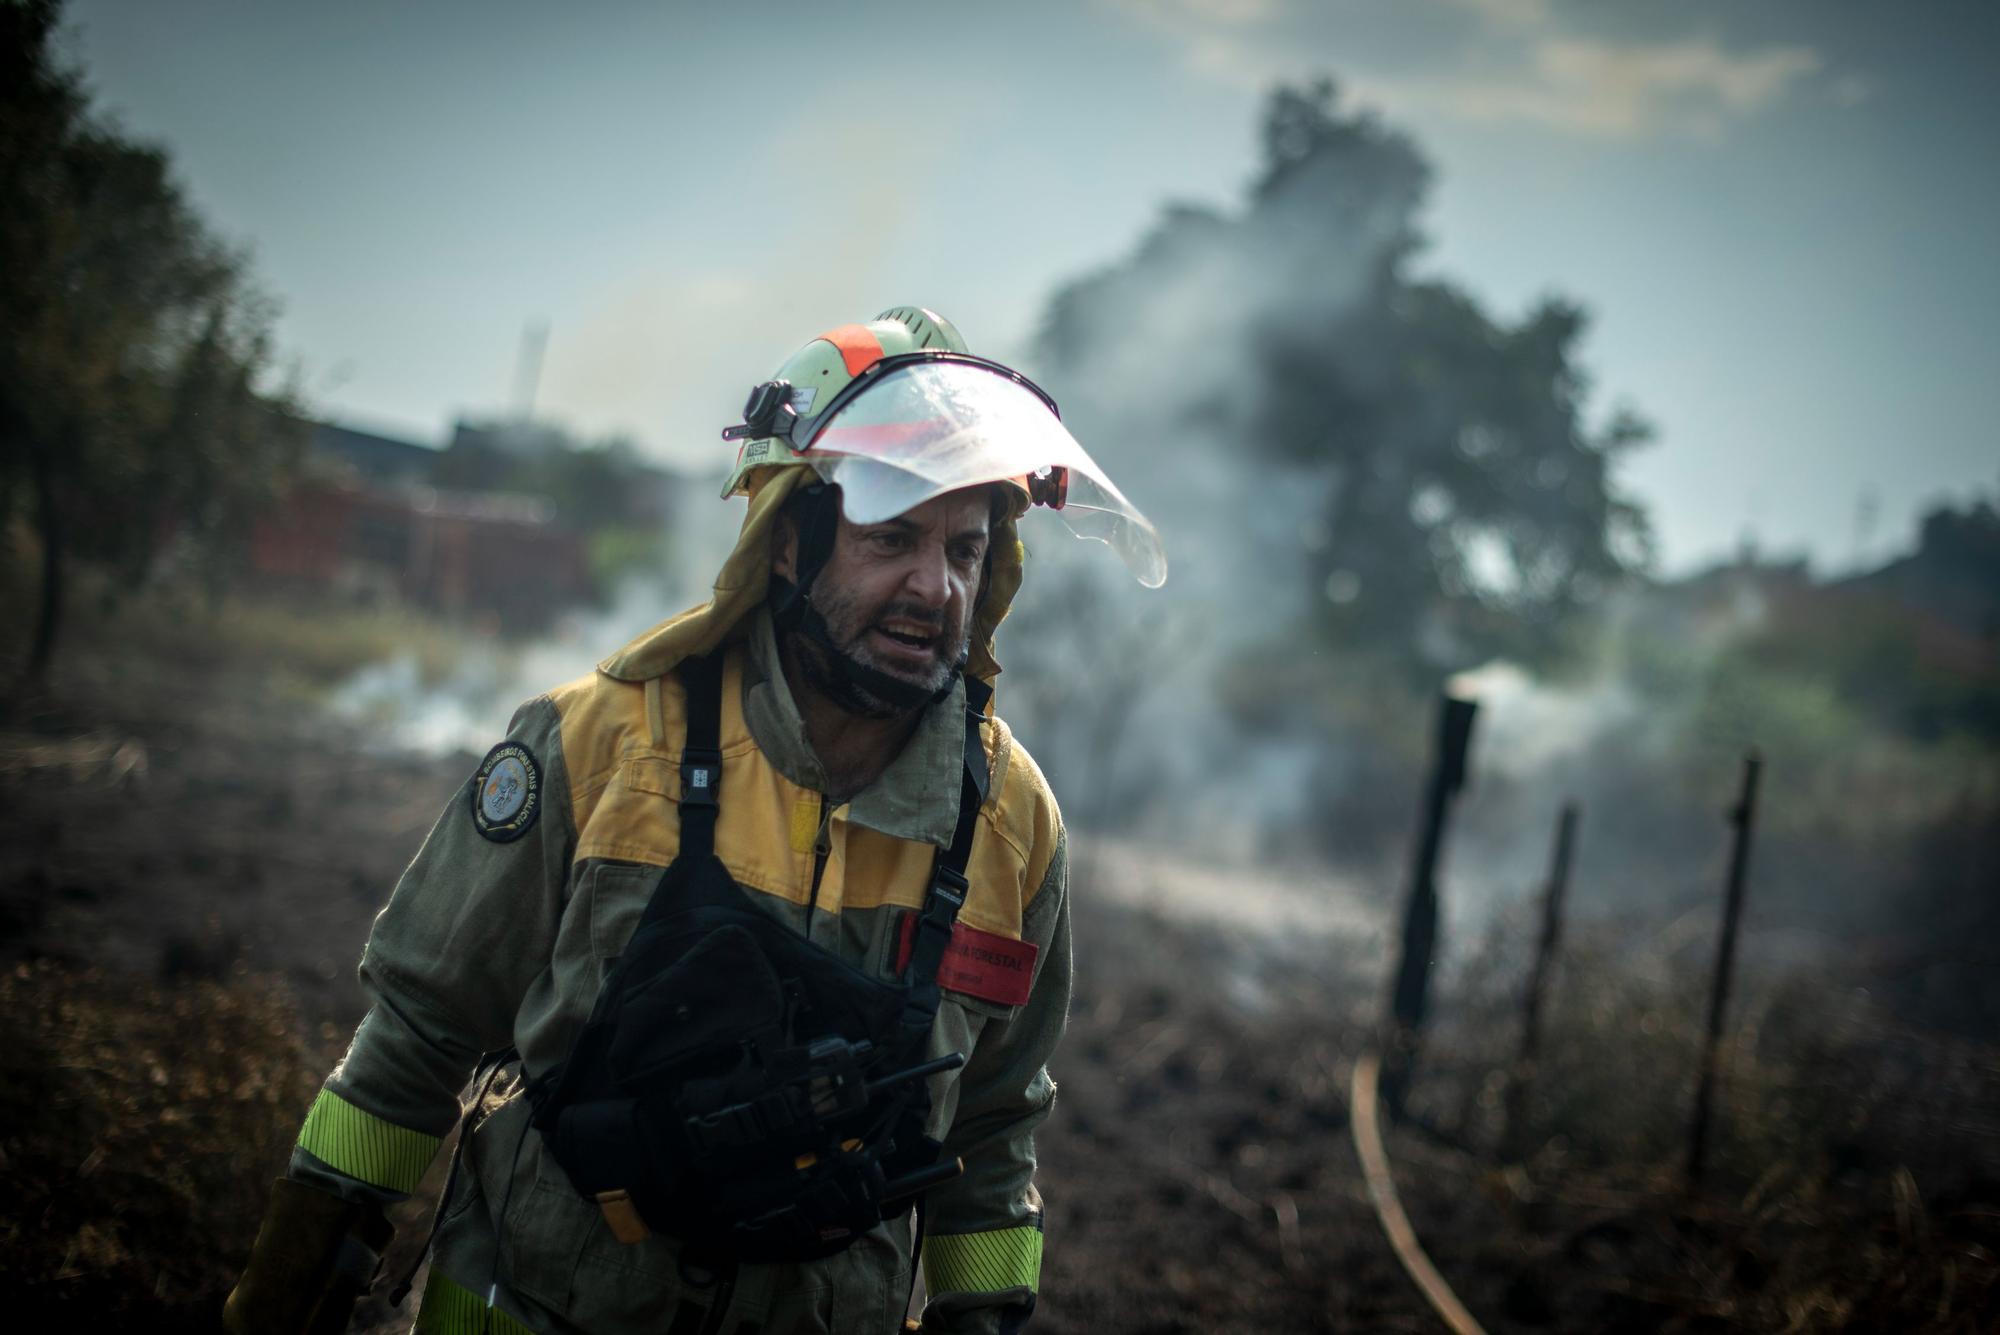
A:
{"x": 130, "y": 408}
{"x": 1460, "y": 505}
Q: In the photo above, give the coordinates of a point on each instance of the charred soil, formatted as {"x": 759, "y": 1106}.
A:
{"x": 193, "y": 860}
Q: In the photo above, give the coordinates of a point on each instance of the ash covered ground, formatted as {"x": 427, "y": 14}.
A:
{"x": 192, "y": 861}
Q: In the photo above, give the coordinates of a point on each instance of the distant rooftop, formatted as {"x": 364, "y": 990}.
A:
{"x": 380, "y": 459}
{"x": 518, "y": 438}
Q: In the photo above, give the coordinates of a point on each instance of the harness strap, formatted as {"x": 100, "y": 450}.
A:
{"x": 697, "y": 871}
{"x": 701, "y": 781}
{"x": 940, "y": 912}
{"x": 701, "y": 755}
{"x": 978, "y": 694}
{"x": 948, "y": 884}
{"x": 490, "y": 1065}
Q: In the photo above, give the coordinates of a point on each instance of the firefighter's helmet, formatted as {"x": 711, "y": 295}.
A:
{"x": 897, "y": 411}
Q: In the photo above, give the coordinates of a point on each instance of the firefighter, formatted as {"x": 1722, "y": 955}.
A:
{"x": 757, "y": 938}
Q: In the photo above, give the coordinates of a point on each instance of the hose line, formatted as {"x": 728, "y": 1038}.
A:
{"x": 1364, "y": 1120}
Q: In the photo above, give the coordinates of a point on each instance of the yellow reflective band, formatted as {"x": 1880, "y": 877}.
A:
{"x": 363, "y": 1146}
{"x": 805, "y": 823}
{"x": 451, "y": 1309}
{"x": 1006, "y": 1258}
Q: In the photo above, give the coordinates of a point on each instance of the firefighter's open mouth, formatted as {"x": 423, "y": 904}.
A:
{"x": 905, "y": 646}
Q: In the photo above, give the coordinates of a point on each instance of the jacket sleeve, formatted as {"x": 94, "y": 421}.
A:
{"x": 470, "y": 925}
{"x": 982, "y": 1251}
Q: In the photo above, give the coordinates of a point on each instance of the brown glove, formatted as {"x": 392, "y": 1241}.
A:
{"x": 315, "y": 1255}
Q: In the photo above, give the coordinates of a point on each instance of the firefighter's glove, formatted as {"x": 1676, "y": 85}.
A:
{"x": 315, "y": 1255}
{"x": 978, "y": 1314}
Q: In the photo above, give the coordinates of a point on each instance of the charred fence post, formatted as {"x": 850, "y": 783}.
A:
{"x": 1407, "y": 1001}
{"x": 1743, "y": 816}
{"x": 1553, "y": 896}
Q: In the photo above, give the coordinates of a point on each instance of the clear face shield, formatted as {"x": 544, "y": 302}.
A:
{"x": 915, "y": 426}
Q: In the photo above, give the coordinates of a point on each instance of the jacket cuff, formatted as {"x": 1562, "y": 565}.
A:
{"x": 988, "y": 1262}
{"x": 983, "y": 1281}
{"x": 362, "y": 1146}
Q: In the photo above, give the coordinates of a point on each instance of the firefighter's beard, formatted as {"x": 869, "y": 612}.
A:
{"x": 832, "y": 645}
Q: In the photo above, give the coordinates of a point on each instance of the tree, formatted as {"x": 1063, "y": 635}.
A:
{"x": 1364, "y": 482}
{"x": 130, "y": 407}
{"x": 1417, "y": 473}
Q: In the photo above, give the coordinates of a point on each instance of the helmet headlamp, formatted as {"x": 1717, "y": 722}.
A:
{"x": 767, "y": 412}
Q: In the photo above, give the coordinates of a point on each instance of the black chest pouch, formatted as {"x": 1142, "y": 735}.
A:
{"x": 738, "y": 1087}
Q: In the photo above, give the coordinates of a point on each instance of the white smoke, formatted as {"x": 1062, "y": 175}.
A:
{"x": 467, "y": 709}
{"x": 1115, "y": 687}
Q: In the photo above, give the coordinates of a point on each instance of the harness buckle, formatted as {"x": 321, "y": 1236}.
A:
{"x": 949, "y": 886}
{"x": 701, "y": 776}
{"x": 623, "y": 1216}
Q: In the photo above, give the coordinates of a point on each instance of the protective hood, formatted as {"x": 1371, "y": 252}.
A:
{"x": 744, "y": 583}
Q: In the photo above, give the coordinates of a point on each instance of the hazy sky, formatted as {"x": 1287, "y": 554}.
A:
{"x": 1782, "y": 214}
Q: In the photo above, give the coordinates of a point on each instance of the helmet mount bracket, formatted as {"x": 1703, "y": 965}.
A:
{"x": 767, "y": 412}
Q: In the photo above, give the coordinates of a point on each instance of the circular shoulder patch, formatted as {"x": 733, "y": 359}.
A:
{"x": 506, "y": 792}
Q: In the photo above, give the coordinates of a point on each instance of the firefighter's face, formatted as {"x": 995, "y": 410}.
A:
{"x": 898, "y": 596}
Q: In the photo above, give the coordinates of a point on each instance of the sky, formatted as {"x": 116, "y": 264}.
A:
{"x": 1780, "y": 214}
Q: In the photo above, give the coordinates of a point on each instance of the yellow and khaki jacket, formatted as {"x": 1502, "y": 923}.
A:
{"x": 486, "y": 945}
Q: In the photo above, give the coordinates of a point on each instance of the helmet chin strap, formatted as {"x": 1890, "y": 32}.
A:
{"x": 854, "y": 686}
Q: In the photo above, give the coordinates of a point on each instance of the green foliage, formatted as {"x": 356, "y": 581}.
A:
{"x": 601, "y": 489}
{"x": 589, "y": 485}
{"x": 1877, "y": 696}
{"x": 299, "y": 646}
{"x": 130, "y": 401}
{"x": 617, "y": 551}
{"x": 1915, "y": 645}
{"x": 1803, "y": 721}
{"x": 605, "y": 491}
{"x": 315, "y": 644}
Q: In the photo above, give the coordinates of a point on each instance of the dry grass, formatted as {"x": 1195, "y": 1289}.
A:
{"x": 139, "y": 1129}
{"x": 296, "y": 643}
{"x": 1853, "y": 1179}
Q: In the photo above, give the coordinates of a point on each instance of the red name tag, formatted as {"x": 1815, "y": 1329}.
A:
{"x": 979, "y": 964}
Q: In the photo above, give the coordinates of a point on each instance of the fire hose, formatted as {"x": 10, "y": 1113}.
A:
{"x": 1364, "y": 1120}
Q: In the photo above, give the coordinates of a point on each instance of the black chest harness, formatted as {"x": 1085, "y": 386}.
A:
{"x": 736, "y": 1086}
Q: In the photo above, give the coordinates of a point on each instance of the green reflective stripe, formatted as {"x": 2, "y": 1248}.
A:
{"x": 364, "y": 1146}
{"x": 451, "y": 1309}
{"x": 1006, "y": 1258}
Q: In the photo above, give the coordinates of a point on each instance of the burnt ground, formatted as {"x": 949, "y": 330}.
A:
{"x": 189, "y": 867}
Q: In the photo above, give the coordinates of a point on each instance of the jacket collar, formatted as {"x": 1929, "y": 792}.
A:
{"x": 916, "y": 797}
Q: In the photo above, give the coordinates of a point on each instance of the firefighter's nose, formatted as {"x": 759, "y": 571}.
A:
{"x": 929, "y": 577}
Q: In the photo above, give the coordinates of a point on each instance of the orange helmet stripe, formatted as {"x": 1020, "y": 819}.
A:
{"x": 859, "y": 348}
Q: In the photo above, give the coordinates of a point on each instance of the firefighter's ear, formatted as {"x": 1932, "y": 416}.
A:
{"x": 785, "y": 548}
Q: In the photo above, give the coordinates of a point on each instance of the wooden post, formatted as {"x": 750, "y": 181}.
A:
{"x": 1553, "y": 896}
{"x": 1743, "y": 816}
{"x": 1409, "y": 997}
